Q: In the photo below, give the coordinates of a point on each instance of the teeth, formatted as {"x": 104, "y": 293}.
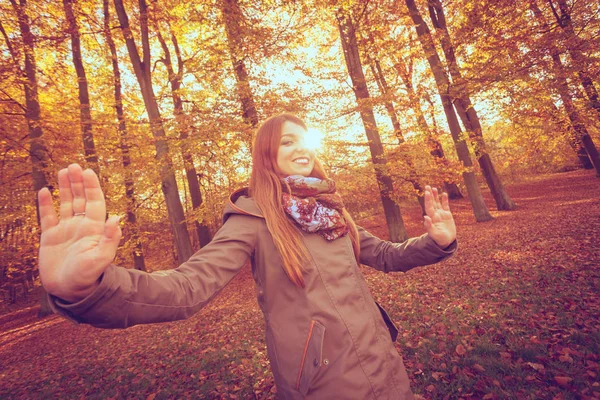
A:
{"x": 301, "y": 160}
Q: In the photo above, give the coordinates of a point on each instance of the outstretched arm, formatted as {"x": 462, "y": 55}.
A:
{"x": 437, "y": 244}
{"x": 76, "y": 255}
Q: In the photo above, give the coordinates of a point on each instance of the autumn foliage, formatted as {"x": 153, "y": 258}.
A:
{"x": 495, "y": 102}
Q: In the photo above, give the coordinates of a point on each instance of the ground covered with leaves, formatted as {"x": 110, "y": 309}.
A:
{"x": 514, "y": 314}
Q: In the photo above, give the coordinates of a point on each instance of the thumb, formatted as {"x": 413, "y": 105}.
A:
{"x": 107, "y": 247}
{"x": 427, "y": 222}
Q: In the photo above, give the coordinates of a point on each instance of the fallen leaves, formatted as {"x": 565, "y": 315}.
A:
{"x": 515, "y": 314}
{"x": 563, "y": 380}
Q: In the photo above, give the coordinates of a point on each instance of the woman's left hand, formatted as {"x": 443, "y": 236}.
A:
{"x": 439, "y": 221}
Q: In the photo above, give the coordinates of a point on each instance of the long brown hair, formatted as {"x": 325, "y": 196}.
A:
{"x": 266, "y": 189}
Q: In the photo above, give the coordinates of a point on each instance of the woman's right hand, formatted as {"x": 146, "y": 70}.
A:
{"x": 77, "y": 249}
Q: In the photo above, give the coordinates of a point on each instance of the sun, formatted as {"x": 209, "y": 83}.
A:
{"x": 313, "y": 139}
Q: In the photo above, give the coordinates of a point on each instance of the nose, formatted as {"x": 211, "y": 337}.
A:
{"x": 301, "y": 147}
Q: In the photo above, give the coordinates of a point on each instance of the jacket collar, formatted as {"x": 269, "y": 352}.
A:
{"x": 240, "y": 203}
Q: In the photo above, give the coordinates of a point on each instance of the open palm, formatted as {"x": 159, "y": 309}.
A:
{"x": 75, "y": 250}
{"x": 438, "y": 219}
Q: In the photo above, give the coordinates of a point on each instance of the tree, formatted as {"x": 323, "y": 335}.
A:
{"x": 574, "y": 46}
{"x": 443, "y": 84}
{"x": 133, "y": 229}
{"x": 461, "y": 99}
{"x": 142, "y": 69}
{"x": 37, "y": 148}
{"x": 384, "y": 89}
{"x": 404, "y": 70}
{"x": 232, "y": 16}
{"x": 397, "y": 231}
{"x": 563, "y": 89}
{"x": 175, "y": 79}
{"x": 85, "y": 115}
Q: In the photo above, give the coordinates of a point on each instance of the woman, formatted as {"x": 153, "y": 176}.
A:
{"x": 326, "y": 336}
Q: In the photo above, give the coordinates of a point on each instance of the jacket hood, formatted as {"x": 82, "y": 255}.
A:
{"x": 240, "y": 203}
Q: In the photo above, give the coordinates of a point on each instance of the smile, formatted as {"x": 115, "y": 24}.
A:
{"x": 301, "y": 160}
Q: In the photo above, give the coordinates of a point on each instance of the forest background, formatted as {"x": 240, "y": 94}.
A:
{"x": 162, "y": 100}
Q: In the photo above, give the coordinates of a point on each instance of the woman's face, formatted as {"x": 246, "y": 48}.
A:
{"x": 293, "y": 157}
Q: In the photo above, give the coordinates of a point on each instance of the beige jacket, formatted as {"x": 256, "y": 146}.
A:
{"x": 327, "y": 340}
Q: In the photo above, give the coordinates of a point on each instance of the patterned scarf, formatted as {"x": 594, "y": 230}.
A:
{"x": 315, "y": 206}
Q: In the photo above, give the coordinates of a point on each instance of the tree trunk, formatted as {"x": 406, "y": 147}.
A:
{"x": 231, "y": 17}
{"x": 562, "y": 86}
{"x": 461, "y": 99}
{"x": 443, "y": 84}
{"x": 574, "y": 117}
{"x": 435, "y": 147}
{"x": 389, "y": 106}
{"x": 574, "y": 45}
{"x": 37, "y": 148}
{"x": 175, "y": 79}
{"x": 397, "y": 232}
{"x": 85, "y": 115}
{"x": 572, "y": 137}
{"x": 139, "y": 262}
{"x": 142, "y": 70}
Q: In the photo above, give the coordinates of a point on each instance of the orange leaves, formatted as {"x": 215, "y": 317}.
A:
{"x": 537, "y": 367}
{"x": 478, "y": 367}
{"x": 460, "y": 350}
{"x": 563, "y": 380}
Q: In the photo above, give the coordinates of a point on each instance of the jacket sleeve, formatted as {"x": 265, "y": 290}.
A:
{"x": 127, "y": 297}
{"x": 389, "y": 257}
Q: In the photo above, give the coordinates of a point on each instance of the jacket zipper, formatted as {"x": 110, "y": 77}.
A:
{"x": 312, "y": 324}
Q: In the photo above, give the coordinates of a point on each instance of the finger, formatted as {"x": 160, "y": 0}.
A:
{"x": 107, "y": 247}
{"x": 427, "y": 222}
{"x": 66, "y": 196}
{"x": 445, "y": 202}
{"x": 95, "y": 206}
{"x": 48, "y": 217}
{"x": 436, "y": 199}
{"x": 76, "y": 182}
{"x": 429, "y": 204}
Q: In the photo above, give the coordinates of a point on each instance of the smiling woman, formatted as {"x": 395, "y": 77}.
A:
{"x": 294, "y": 157}
{"x": 326, "y": 336}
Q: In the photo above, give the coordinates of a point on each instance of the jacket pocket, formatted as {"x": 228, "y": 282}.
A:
{"x": 311, "y": 359}
{"x": 388, "y": 322}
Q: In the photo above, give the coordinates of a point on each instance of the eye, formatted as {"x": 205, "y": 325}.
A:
{"x": 286, "y": 142}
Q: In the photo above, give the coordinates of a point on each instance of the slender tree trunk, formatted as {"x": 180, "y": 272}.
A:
{"x": 232, "y": 14}
{"x": 576, "y": 121}
{"x": 138, "y": 251}
{"x": 397, "y": 232}
{"x": 175, "y": 79}
{"x": 37, "y": 149}
{"x": 435, "y": 147}
{"x": 562, "y": 87}
{"x": 574, "y": 45}
{"x": 141, "y": 67}
{"x": 391, "y": 110}
{"x": 85, "y": 115}
{"x": 461, "y": 99}
{"x": 443, "y": 84}
{"x": 572, "y": 137}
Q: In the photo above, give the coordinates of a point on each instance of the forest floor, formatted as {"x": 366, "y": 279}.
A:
{"x": 515, "y": 314}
